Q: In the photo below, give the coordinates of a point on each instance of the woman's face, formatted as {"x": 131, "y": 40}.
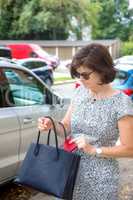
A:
{"x": 89, "y": 78}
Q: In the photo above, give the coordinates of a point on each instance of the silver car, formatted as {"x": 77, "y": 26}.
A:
{"x": 23, "y": 98}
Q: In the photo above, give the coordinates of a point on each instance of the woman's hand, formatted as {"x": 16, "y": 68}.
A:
{"x": 83, "y": 144}
{"x": 44, "y": 124}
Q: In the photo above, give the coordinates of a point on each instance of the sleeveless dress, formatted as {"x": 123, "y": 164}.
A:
{"x": 98, "y": 177}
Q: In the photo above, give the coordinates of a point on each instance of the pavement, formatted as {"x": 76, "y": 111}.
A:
{"x": 62, "y": 71}
{"x": 126, "y": 182}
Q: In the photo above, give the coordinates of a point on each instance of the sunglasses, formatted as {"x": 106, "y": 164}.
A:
{"x": 84, "y": 75}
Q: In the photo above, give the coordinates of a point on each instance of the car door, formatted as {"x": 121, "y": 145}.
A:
{"x": 9, "y": 134}
{"x": 30, "y": 100}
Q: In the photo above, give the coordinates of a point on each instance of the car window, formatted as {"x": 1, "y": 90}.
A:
{"x": 5, "y": 53}
{"x": 33, "y": 55}
{"x": 28, "y": 65}
{"x": 21, "y": 89}
{"x": 34, "y": 64}
{"x": 121, "y": 77}
{"x": 4, "y": 86}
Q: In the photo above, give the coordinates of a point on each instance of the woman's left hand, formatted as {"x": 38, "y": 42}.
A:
{"x": 83, "y": 144}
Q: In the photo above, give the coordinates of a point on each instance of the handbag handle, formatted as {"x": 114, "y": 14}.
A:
{"x": 48, "y": 138}
{"x": 64, "y": 129}
{"x": 55, "y": 132}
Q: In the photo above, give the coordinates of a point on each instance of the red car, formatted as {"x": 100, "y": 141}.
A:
{"x": 25, "y": 50}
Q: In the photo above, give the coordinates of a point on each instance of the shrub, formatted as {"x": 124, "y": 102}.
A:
{"x": 126, "y": 48}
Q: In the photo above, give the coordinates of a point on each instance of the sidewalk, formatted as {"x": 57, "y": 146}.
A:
{"x": 126, "y": 169}
{"x": 126, "y": 192}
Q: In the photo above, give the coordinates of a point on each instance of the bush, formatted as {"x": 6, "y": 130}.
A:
{"x": 126, "y": 48}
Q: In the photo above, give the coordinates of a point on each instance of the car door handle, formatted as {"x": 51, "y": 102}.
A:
{"x": 28, "y": 120}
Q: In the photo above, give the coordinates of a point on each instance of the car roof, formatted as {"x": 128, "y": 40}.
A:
{"x": 130, "y": 57}
{"x": 7, "y": 64}
{"x": 6, "y": 59}
{"x": 29, "y": 59}
{"x": 124, "y": 67}
{"x": 125, "y": 60}
{"x": 5, "y": 48}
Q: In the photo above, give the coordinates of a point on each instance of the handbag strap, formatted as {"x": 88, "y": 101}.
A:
{"x": 64, "y": 129}
{"x": 48, "y": 138}
{"x": 55, "y": 132}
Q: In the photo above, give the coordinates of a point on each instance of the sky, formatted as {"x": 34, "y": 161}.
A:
{"x": 130, "y": 3}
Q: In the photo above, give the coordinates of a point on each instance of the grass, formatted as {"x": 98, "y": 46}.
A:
{"x": 62, "y": 79}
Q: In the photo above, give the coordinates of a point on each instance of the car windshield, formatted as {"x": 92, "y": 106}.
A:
{"x": 40, "y": 50}
{"x": 121, "y": 77}
{"x": 5, "y": 53}
{"x": 34, "y": 64}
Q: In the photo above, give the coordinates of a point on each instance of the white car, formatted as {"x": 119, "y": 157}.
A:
{"x": 125, "y": 60}
{"x": 23, "y": 98}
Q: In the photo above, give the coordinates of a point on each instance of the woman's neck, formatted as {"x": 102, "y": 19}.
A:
{"x": 102, "y": 91}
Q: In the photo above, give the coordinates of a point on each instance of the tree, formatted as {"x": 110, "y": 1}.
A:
{"x": 52, "y": 19}
{"x": 42, "y": 19}
{"x": 9, "y": 14}
{"x": 114, "y": 21}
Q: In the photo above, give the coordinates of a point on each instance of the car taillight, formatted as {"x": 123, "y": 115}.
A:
{"x": 128, "y": 91}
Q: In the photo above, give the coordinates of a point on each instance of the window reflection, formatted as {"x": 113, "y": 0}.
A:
{"x": 23, "y": 89}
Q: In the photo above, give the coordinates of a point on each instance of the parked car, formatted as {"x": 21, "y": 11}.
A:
{"x": 125, "y": 60}
{"x": 5, "y": 52}
{"x": 26, "y": 50}
{"x": 40, "y": 68}
{"x": 123, "y": 80}
{"x": 23, "y": 98}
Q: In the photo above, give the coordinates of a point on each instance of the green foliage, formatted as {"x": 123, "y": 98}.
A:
{"x": 126, "y": 48}
{"x": 114, "y": 21}
{"x": 9, "y": 14}
{"x": 43, "y": 19}
{"x": 54, "y": 19}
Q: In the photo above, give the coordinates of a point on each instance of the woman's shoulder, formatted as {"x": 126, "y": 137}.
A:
{"x": 123, "y": 98}
{"x": 124, "y": 105}
{"x": 79, "y": 94}
{"x": 80, "y": 90}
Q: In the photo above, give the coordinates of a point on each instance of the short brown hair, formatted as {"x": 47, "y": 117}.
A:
{"x": 97, "y": 58}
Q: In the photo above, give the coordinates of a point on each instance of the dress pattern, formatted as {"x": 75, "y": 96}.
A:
{"x": 98, "y": 177}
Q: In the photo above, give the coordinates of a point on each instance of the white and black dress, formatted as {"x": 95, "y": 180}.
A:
{"x": 98, "y": 177}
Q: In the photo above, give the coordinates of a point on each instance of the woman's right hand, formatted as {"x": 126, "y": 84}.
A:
{"x": 44, "y": 124}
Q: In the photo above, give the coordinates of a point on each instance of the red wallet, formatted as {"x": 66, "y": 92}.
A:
{"x": 70, "y": 147}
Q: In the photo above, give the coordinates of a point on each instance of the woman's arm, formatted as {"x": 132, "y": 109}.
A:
{"x": 125, "y": 148}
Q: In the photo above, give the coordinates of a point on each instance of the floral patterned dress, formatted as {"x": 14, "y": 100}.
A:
{"x": 98, "y": 177}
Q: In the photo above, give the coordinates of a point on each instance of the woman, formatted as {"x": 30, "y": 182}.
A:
{"x": 102, "y": 115}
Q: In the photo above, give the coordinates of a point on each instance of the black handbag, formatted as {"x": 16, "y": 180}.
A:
{"x": 49, "y": 169}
